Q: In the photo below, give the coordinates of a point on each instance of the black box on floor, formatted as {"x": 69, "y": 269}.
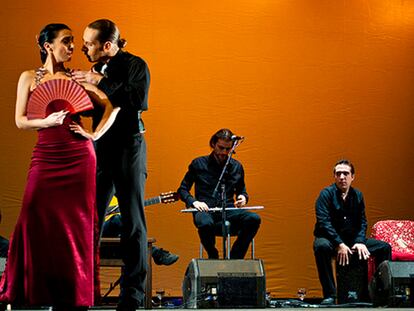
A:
{"x": 352, "y": 281}
{"x": 211, "y": 283}
{"x": 393, "y": 284}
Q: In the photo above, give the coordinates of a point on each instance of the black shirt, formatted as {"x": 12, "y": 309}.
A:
{"x": 126, "y": 83}
{"x": 204, "y": 172}
{"x": 341, "y": 221}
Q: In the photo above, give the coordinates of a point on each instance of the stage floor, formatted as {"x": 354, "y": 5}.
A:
{"x": 336, "y": 307}
{"x": 274, "y": 304}
{"x": 238, "y": 309}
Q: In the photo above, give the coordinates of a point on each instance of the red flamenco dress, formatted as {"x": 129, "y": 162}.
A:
{"x": 52, "y": 259}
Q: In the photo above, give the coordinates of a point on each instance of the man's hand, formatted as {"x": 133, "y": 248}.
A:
{"x": 362, "y": 250}
{"x": 241, "y": 201}
{"x": 343, "y": 254}
{"x": 86, "y": 76}
{"x": 200, "y": 206}
{"x": 89, "y": 86}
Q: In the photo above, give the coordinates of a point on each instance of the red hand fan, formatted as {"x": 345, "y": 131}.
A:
{"x": 55, "y": 95}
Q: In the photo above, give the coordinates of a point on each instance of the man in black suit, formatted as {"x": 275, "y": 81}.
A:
{"x": 121, "y": 152}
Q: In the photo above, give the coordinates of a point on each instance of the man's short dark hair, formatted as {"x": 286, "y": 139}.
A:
{"x": 224, "y": 134}
{"x": 345, "y": 162}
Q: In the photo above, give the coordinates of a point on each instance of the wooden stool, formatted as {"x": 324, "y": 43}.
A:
{"x": 117, "y": 262}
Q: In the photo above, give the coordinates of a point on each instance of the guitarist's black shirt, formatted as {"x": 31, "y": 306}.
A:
{"x": 204, "y": 172}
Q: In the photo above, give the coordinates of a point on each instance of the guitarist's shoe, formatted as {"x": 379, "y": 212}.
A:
{"x": 163, "y": 257}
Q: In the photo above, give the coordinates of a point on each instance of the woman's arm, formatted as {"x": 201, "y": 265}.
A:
{"x": 22, "y": 122}
{"x": 108, "y": 116}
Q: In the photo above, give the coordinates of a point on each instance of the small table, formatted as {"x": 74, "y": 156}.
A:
{"x": 117, "y": 262}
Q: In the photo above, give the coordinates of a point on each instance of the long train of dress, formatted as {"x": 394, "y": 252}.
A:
{"x": 52, "y": 255}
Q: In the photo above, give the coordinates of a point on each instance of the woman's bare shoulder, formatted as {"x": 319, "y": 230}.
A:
{"x": 28, "y": 74}
{"x": 27, "y": 78}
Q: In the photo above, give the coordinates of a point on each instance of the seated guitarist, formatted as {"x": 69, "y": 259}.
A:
{"x": 204, "y": 172}
{"x": 112, "y": 229}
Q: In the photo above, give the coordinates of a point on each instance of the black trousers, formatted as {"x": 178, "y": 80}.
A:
{"x": 122, "y": 169}
{"x": 324, "y": 250}
{"x": 4, "y": 247}
{"x": 244, "y": 224}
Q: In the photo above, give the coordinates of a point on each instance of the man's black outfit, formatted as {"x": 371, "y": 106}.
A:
{"x": 4, "y": 247}
{"x": 339, "y": 221}
{"x": 121, "y": 164}
{"x": 204, "y": 172}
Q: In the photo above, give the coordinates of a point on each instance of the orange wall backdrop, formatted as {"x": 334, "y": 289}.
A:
{"x": 306, "y": 82}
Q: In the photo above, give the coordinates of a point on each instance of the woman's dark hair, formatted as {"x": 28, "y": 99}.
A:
{"x": 224, "y": 134}
{"x": 48, "y": 34}
{"x": 107, "y": 31}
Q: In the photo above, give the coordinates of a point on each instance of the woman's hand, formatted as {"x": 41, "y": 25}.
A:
{"x": 55, "y": 118}
{"x": 107, "y": 120}
{"x": 80, "y": 130}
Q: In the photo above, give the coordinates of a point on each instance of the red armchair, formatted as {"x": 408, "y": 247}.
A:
{"x": 399, "y": 234}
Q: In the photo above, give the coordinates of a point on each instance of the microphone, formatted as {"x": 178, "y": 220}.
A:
{"x": 235, "y": 137}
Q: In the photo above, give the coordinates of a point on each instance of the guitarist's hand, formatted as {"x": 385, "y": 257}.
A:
{"x": 241, "y": 201}
{"x": 200, "y": 206}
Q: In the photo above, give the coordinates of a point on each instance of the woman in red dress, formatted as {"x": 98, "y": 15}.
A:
{"x": 52, "y": 254}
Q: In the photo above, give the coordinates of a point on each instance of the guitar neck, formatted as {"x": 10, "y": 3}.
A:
{"x": 152, "y": 201}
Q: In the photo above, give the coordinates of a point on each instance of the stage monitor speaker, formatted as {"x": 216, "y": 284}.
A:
{"x": 232, "y": 283}
{"x": 392, "y": 284}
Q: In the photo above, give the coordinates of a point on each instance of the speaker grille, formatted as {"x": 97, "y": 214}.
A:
{"x": 224, "y": 283}
{"x": 393, "y": 284}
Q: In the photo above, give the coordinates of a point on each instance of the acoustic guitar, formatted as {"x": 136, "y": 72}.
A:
{"x": 164, "y": 197}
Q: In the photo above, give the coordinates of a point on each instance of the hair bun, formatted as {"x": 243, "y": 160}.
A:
{"x": 122, "y": 43}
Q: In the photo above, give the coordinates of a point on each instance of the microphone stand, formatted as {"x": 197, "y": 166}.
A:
{"x": 225, "y": 227}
